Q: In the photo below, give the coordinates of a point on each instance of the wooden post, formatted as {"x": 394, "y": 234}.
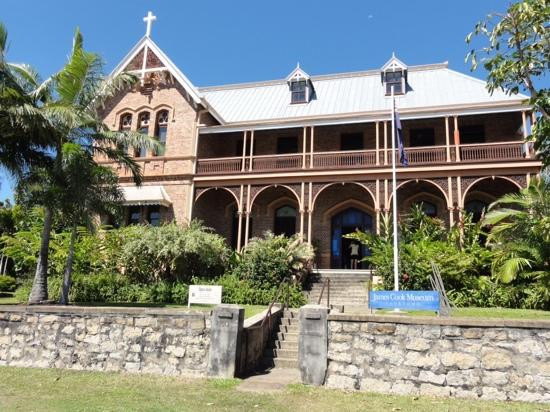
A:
{"x": 304, "y": 147}
{"x": 309, "y": 213}
{"x": 385, "y": 142}
{"x": 247, "y": 216}
{"x": 240, "y": 213}
{"x": 457, "y": 138}
{"x": 377, "y": 144}
{"x": 525, "y": 134}
{"x": 302, "y": 196}
{"x": 244, "y": 152}
{"x": 312, "y": 140}
{"x": 450, "y": 204}
{"x": 447, "y": 139}
{"x": 251, "y": 148}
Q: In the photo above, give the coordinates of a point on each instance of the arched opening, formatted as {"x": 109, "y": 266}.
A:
{"x": 430, "y": 196}
{"x": 161, "y": 131}
{"x": 429, "y": 208}
{"x": 476, "y": 208}
{"x": 489, "y": 189}
{"x": 217, "y": 209}
{"x": 347, "y": 253}
{"x": 285, "y": 221}
{"x": 143, "y": 128}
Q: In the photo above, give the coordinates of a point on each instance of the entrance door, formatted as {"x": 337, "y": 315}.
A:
{"x": 343, "y": 223}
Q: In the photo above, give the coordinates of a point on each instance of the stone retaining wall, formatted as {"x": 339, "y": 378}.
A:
{"x": 107, "y": 339}
{"x": 491, "y": 359}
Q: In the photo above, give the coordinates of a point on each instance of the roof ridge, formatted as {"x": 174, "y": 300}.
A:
{"x": 319, "y": 77}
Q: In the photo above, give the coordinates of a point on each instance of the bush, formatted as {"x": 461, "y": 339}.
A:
{"x": 7, "y": 283}
{"x": 266, "y": 261}
{"x": 170, "y": 252}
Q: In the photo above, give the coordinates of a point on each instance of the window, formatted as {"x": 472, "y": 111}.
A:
{"x": 125, "y": 126}
{"x": 287, "y": 145}
{"x": 472, "y": 134}
{"x": 153, "y": 215}
{"x": 476, "y": 208}
{"x": 422, "y": 137}
{"x": 428, "y": 208}
{"x": 394, "y": 79}
{"x": 134, "y": 215}
{"x": 298, "y": 89}
{"x": 143, "y": 128}
{"x": 351, "y": 141}
{"x": 161, "y": 131}
{"x": 285, "y": 221}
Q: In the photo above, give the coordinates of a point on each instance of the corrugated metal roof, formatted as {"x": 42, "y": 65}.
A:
{"x": 341, "y": 94}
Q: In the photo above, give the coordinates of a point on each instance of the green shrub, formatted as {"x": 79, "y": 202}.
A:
{"x": 180, "y": 293}
{"x": 22, "y": 293}
{"x": 7, "y": 283}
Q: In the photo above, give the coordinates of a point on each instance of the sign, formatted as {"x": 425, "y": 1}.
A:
{"x": 205, "y": 294}
{"x": 404, "y": 299}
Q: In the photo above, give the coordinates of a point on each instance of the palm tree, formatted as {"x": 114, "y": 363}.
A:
{"x": 75, "y": 97}
{"x": 91, "y": 190}
{"x": 520, "y": 233}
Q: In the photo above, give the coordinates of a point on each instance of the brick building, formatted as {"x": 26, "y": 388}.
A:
{"x": 312, "y": 154}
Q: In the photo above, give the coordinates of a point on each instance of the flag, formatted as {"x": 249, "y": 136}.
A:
{"x": 399, "y": 136}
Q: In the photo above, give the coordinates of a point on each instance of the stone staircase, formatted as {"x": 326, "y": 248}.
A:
{"x": 284, "y": 351}
{"x": 347, "y": 287}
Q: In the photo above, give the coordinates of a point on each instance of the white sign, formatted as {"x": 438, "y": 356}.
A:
{"x": 205, "y": 294}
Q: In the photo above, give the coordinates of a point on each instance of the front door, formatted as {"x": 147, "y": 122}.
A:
{"x": 345, "y": 251}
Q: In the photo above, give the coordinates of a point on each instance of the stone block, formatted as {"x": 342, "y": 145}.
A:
{"x": 341, "y": 382}
{"x": 418, "y": 344}
{"x": 404, "y": 388}
{"x": 430, "y": 377}
{"x": 494, "y": 394}
{"x": 374, "y": 385}
{"x": 431, "y": 332}
{"x": 459, "y": 360}
{"x": 434, "y": 390}
{"x": 493, "y": 359}
{"x": 467, "y": 377}
{"x": 472, "y": 333}
{"x": 494, "y": 378}
{"x": 226, "y": 334}
{"x": 382, "y": 328}
{"x": 425, "y": 361}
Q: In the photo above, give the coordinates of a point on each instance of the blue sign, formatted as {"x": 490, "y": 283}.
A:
{"x": 404, "y": 299}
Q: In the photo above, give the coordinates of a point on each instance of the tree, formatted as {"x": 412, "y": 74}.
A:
{"x": 516, "y": 56}
{"x": 520, "y": 234}
{"x": 91, "y": 190}
{"x": 74, "y": 99}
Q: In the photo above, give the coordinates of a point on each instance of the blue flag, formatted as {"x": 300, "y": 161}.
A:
{"x": 399, "y": 135}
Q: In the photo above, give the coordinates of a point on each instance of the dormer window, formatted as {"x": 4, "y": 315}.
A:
{"x": 394, "y": 75}
{"x": 300, "y": 86}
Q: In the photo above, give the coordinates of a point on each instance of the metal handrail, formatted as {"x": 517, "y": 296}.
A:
{"x": 270, "y": 307}
{"x": 326, "y": 284}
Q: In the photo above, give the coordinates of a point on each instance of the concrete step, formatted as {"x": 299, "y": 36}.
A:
{"x": 289, "y": 328}
{"x": 282, "y": 353}
{"x": 290, "y": 321}
{"x": 291, "y": 314}
{"x": 280, "y": 362}
{"x": 285, "y": 344}
{"x": 287, "y": 336}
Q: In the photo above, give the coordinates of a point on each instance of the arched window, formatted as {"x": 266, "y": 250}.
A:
{"x": 476, "y": 208}
{"x": 285, "y": 221}
{"x": 428, "y": 208}
{"x": 125, "y": 126}
{"x": 143, "y": 128}
{"x": 161, "y": 131}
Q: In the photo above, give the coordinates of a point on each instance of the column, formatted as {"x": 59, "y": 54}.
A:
{"x": 247, "y": 217}
{"x": 457, "y": 138}
{"x": 240, "y": 213}
{"x": 251, "y": 148}
{"x": 309, "y": 214}
{"x": 385, "y": 142}
{"x": 377, "y": 221}
{"x": 525, "y": 134}
{"x": 447, "y": 139}
{"x": 244, "y": 152}
{"x": 304, "y": 147}
{"x": 377, "y": 143}
{"x": 312, "y": 140}
{"x": 302, "y": 208}
{"x": 450, "y": 196}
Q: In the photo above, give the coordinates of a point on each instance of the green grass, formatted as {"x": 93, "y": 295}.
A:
{"x": 61, "y": 390}
{"x": 502, "y": 313}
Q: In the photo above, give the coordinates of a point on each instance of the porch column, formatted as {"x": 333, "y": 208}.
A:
{"x": 525, "y": 134}
{"x": 251, "y": 148}
{"x": 447, "y": 139}
{"x": 240, "y": 214}
{"x": 377, "y": 144}
{"x": 302, "y": 208}
{"x": 457, "y": 138}
{"x": 385, "y": 142}
{"x": 247, "y": 217}
{"x": 312, "y": 140}
{"x": 309, "y": 214}
{"x": 377, "y": 221}
{"x": 244, "y": 152}
{"x": 450, "y": 204}
{"x": 304, "y": 147}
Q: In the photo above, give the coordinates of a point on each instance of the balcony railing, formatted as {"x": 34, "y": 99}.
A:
{"x": 356, "y": 159}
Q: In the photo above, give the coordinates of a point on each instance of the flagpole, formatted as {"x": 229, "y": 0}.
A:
{"x": 394, "y": 196}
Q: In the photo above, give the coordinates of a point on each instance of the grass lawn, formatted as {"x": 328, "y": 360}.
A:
{"x": 60, "y": 390}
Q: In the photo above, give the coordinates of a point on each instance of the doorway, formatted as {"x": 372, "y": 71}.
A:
{"x": 285, "y": 221}
{"x": 345, "y": 222}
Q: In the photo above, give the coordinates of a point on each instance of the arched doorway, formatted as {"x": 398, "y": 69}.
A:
{"x": 343, "y": 223}
{"x": 285, "y": 221}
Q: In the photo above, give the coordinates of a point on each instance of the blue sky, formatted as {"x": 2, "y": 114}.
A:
{"x": 218, "y": 42}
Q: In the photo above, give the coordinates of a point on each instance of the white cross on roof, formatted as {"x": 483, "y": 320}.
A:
{"x": 149, "y": 19}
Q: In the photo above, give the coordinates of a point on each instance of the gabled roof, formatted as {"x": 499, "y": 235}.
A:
{"x": 297, "y": 74}
{"x": 347, "y": 94}
{"x": 393, "y": 63}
